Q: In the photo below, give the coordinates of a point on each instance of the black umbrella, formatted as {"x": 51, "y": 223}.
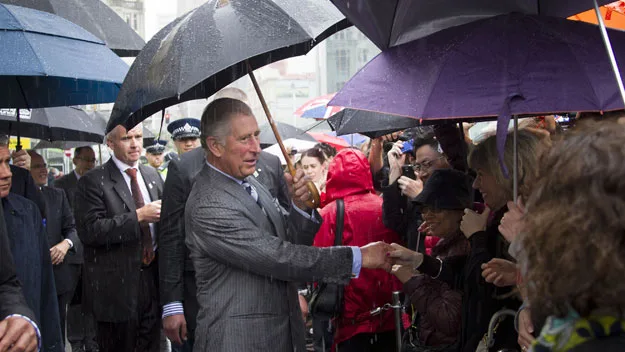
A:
{"x": 61, "y": 145}
{"x": 390, "y": 23}
{"x": 54, "y": 124}
{"x": 207, "y": 49}
{"x": 371, "y": 124}
{"x": 94, "y": 16}
{"x": 267, "y": 138}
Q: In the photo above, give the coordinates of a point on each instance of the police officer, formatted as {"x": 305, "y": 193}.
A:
{"x": 185, "y": 133}
{"x": 154, "y": 152}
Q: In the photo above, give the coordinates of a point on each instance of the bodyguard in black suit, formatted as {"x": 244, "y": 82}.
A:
{"x": 62, "y": 236}
{"x": 80, "y": 324}
{"x": 117, "y": 206}
{"x": 177, "y": 276}
{"x": 84, "y": 160}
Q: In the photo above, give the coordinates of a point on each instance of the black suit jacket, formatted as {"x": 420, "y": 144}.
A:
{"x": 11, "y": 297}
{"x": 109, "y": 230}
{"x": 69, "y": 183}
{"x": 176, "y": 273}
{"x": 60, "y": 225}
{"x": 22, "y": 183}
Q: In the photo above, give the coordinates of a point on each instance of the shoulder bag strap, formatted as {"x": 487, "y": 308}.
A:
{"x": 340, "y": 213}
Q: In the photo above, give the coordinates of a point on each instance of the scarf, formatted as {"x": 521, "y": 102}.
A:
{"x": 563, "y": 334}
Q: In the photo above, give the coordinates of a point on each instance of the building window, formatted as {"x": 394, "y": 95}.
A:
{"x": 363, "y": 55}
{"x": 342, "y": 62}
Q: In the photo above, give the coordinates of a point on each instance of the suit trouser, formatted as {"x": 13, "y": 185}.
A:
{"x": 64, "y": 300}
{"x": 141, "y": 334}
{"x": 81, "y": 326}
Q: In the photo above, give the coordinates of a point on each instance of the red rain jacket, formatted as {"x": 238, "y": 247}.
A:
{"x": 349, "y": 178}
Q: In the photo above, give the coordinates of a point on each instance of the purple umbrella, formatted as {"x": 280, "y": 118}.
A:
{"x": 501, "y": 66}
{"x": 390, "y": 23}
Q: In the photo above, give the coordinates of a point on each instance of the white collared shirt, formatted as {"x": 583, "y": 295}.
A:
{"x": 77, "y": 175}
{"x": 144, "y": 190}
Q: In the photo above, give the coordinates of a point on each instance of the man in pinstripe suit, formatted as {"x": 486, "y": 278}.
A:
{"x": 246, "y": 266}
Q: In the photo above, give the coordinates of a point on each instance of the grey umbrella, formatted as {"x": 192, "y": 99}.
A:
{"x": 61, "y": 145}
{"x": 267, "y": 138}
{"x": 371, "y": 124}
{"x": 208, "y": 48}
{"x": 54, "y": 124}
{"x": 94, "y": 16}
{"x": 390, "y": 23}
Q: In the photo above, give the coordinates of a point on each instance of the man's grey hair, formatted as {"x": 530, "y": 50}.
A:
{"x": 217, "y": 116}
{"x": 4, "y": 140}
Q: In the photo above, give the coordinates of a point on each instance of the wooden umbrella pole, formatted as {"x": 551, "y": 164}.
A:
{"x": 314, "y": 202}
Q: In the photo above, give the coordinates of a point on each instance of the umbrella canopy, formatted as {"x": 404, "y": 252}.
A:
{"x": 371, "y": 124}
{"x": 48, "y": 61}
{"x": 54, "y": 124}
{"x": 317, "y": 108}
{"x": 94, "y": 16}
{"x": 267, "y": 137}
{"x": 336, "y": 142}
{"x": 298, "y": 145}
{"x": 206, "y": 49}
{"x": 61, "y": 145}
{"x": 542, "y": 65}
{"x": 613, "y": 17}
{"x": 394, "y": 22}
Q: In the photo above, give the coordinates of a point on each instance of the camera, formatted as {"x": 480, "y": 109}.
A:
{"x": 408, "y": 171}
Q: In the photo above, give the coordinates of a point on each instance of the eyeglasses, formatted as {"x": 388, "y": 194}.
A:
{"x": 425, "y": 165}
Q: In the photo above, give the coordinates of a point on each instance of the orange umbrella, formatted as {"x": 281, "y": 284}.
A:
{"x": 612, "y": 16}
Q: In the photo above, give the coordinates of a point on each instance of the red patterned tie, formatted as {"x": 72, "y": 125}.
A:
{"x": 148, "y": 250}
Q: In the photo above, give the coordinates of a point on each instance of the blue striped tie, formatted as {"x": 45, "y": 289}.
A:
{"x": 251, "y": 190}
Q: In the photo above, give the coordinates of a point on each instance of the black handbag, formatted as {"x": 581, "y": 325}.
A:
{"x": 412, "y": 343}
{"x": 327, "y": 299}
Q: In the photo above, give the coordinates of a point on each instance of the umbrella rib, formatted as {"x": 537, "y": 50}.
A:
{"x": 390, "y": 33}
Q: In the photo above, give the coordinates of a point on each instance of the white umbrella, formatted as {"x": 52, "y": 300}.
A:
{"x": 298, "y": 144}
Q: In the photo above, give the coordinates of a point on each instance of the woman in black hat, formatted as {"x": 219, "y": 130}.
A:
{"x": 437, "y": 304}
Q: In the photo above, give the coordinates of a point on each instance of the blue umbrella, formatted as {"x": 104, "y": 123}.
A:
{"x": 48, "y": 61}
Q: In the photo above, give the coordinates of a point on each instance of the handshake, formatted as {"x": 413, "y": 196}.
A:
{"x": 380, "y": 255}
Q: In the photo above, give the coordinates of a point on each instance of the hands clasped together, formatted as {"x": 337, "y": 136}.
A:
{"x": 393, "y": 258}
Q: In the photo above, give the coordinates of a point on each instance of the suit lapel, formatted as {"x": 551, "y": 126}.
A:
{"x": 150, "y": 184}
{"x": 119, "y": 184}
{"x": 237, "y": 192}
{"x": 271, "y": 207}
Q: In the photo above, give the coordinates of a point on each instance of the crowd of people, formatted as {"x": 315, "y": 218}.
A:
{"x": 218, "y": 249}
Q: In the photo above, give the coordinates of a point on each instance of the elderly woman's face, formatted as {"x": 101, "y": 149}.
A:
{"x": 442, "y": 223}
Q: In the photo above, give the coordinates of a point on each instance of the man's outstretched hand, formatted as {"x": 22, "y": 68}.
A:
{"x": 375, "y": 256}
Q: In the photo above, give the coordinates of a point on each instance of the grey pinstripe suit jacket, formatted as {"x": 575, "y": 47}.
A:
{"x": 246, "y": 267}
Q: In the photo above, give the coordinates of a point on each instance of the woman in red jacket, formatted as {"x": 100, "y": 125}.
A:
{"x": 349, "y": 178}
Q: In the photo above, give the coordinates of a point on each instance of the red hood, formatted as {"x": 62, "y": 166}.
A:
{"x": 349, "y": 173}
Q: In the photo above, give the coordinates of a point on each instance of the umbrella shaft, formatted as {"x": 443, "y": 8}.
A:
{"x": 608, "y": 47}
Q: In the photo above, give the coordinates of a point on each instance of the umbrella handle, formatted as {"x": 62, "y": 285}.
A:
{"x": 18, "y": 147}
{"x": 315, "y": 200}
